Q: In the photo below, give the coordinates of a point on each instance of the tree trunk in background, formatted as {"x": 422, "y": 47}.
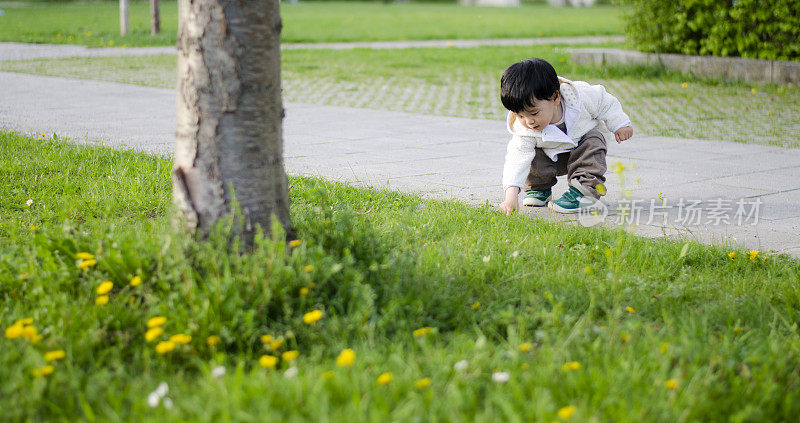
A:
{"x": 229, "y": 115}
{"x": 123, "y": 17}
{"x": 155, "y": 17}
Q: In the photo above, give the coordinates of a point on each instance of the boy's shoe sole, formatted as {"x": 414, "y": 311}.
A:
{"x": 585, "y": 205}
{"x": 535, "y": 202}
{"x": 556, "y": 207}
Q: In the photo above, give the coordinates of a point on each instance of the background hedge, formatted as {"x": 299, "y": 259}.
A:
{"x": 747, "y": 28}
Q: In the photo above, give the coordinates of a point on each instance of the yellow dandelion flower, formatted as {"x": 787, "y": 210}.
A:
{"x": 180, "y": 338}
{"x": 290, "y": 355}
{"x": 111, "y": 42}
{"x": 268, "y": 361}
{"x": 312, "y": 316}
{"x": 153, "y": 333}
{"x": 566, "y": 412}
{"x": 476, "y": 305}
{"x": 23, "y": 276}
{"x": 105, "y": 287}
{"x": 663, "y": 347}
{"x": 601, "y": 189}
{"x": 88, "y": 33}
{"x": 422, "y": 383}
{"x": 44, "y": 371}
{"x": 571, "y": 365}
{"x": 14, "y": 331}
{"x": 266, "y": 339}
{"x": 753, "y": 254}
{"x": 164, "y": 347}
{"x": 625, "y": 337}
{"x": 630, "y": 310}
{"x": 295, "y": 243}
{"x": 276, "y": 343}
{"x": 422, "y": 331}
{"x": 213, "y": 340}
{"x": 732, "y": 255}
{"x": 24, "y": 322}
{"x": 588, "y": 270}
{"x": 303, "y": 291}
{"x": 753, "y": 91}
{"x": 156, "y": 321}
{"x": 328, "y": 375}
{"x": 661, "y": 196}
{"x": 29, "y": 332}
{"x": 384, "y": 378}
{"x": 671, "y": 384}
{"x": 685, "y": 84}
{"x": 84, "y": 256}
{"x": 136, "y": 281}
{"x": 309, "y": 268}
{"x": 85, "y": 264}
{"x": 525, "y": 347}
{"x": 101, "y": 300}
{"x": 737, "y": 330}
{"x": 54, "y": 355}
{"x": 346, "y": 358}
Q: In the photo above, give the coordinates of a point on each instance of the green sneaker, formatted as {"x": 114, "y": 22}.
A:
{"x": 537, "y": 198}
{"x": 573, "y": 201}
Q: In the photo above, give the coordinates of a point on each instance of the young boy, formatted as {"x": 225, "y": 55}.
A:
{"x": 554, "y": 125}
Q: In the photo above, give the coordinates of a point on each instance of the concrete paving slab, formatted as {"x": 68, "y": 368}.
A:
{"x": 443, "y": 157}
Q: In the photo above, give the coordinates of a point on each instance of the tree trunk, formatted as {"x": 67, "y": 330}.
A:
{"x": 229, "y": 115}
{"x": 155, "y": 17}
{"x": 123, "y": 17}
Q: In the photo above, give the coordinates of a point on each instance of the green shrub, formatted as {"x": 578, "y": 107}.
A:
{"x": 745, "y": 28}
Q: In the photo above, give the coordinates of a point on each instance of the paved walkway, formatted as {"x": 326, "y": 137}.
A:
{"x": 447, "y": 157}
{"x": 22, "y": 51}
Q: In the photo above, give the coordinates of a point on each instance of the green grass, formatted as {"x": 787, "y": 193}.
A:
{"x": 465, "y": 82}
{"x": 96, "y": 24}
{"x": 383, "y": 265}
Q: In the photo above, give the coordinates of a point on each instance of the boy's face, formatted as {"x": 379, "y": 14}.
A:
{"x": 543, "y": 113}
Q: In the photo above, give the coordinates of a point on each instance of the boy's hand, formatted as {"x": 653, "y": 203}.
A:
{"x": 511, "y": 203}
{"x": 509, "y": 207}
{"x": 623, "y": 133}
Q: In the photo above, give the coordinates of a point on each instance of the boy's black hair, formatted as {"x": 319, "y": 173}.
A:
{"x": 526, "y": 80}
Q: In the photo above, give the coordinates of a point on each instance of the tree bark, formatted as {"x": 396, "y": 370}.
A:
{"x": 230, "y": 115}
{"x": 123, "y": 17}
{"x": 155, "y": 17}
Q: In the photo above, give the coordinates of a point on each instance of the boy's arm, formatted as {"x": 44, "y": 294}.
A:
{"x": 519, "y": 156}
{"x": 604, "y": 106}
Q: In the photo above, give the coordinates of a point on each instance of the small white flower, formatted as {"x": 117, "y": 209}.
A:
{"x": 153, "y": 399}
{"x": 218, "y": 372}
{"x": 515, "y": 254}
{"x": 486, "y": 259}
{"x": 167, "y": 403}
{"x": 29, "y": 202}
{"x": 461, "y": 365}
{"x": 500, "y": 377}
{"x": 290, "y": 372}
{"x": 162, "y": 390}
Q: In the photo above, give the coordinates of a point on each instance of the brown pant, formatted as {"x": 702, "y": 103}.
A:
{"x": 586, "y": 163}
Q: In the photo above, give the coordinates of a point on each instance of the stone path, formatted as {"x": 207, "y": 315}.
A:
{"x": 22, "y": 51}
{"x": 449, "y": 157}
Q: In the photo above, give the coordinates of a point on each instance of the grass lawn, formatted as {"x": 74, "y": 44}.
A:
{"x": 521, "y": 320}
{"x": 465, "y": 82}
{"x": 96, "y": 24}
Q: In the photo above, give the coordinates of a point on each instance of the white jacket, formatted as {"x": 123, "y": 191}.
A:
{"x": 585, "y": 106}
